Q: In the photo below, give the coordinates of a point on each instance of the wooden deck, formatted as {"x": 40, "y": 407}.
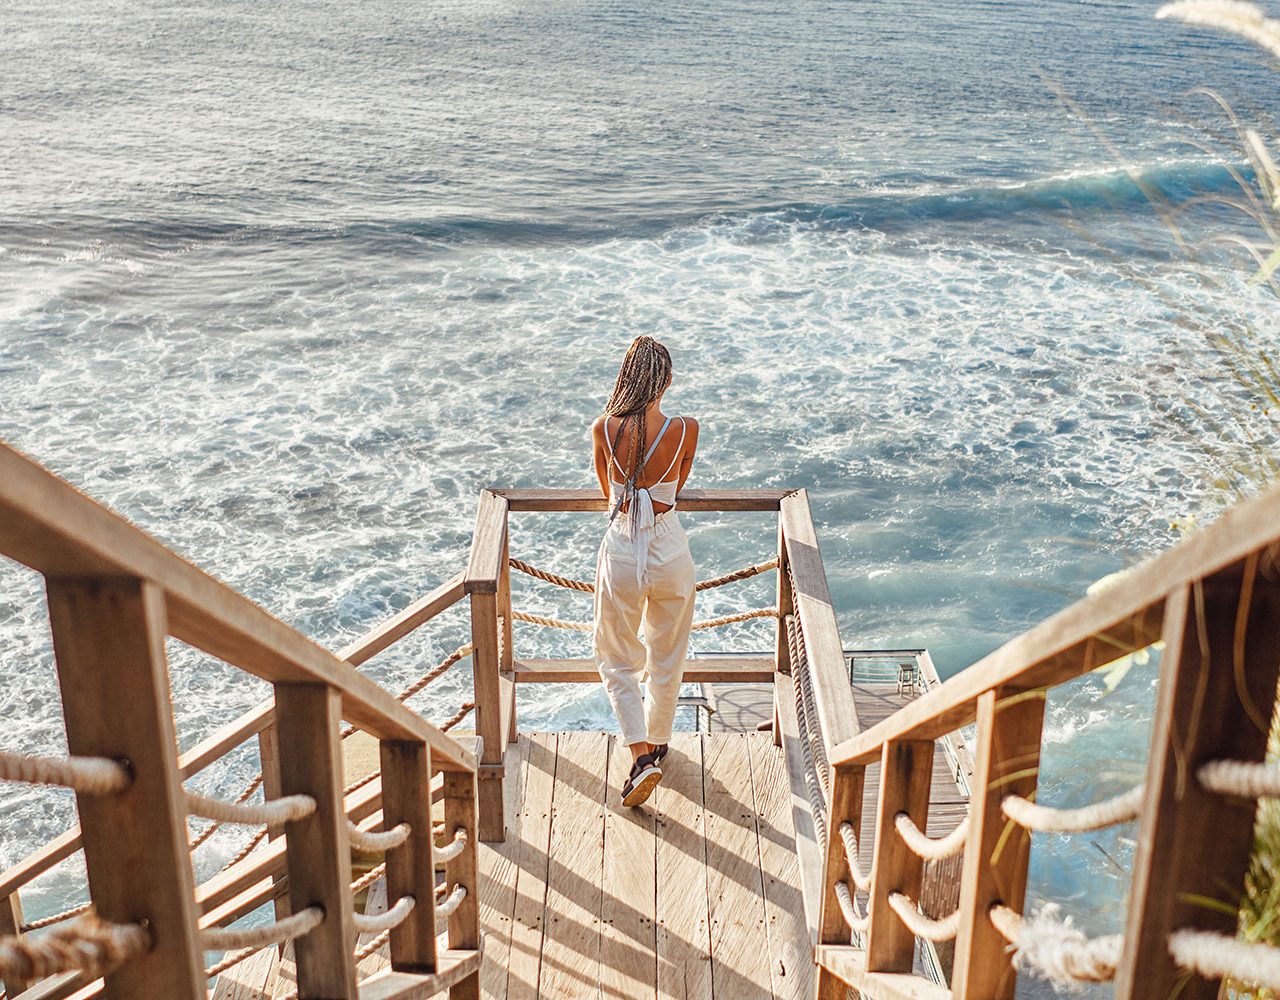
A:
{"x": 693, "y": 895}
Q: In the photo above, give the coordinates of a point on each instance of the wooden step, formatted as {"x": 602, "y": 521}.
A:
{"x": 452, "y": 966}
{"x": 850, "y": 965}
{"x": 743, "y": 669}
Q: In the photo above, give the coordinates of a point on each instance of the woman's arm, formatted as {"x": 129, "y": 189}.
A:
{"x": 691, "y": 446}
{"x": 598, "y": 456}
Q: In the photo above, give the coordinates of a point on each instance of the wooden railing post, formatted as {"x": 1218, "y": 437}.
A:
{"x": 308, "y": 716}
{"x": 108, "y": 638}
{"x": 460, "y": 810}
{"x": 269, "y": 759}
{"x": 406, "y": 798}
{"x": 11, "y": 926}
{"x": 905, "y": 771}
{"x": 847, "y": 788}
{"x": 1215, "y": 700}
{"x": 494, "y": 690}
{"x": 506, "y": 640}
{"x": 997, "y": 851}
{"x": 782, "y": 649}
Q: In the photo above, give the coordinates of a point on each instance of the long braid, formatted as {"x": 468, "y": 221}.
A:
{"x": 644, "y": 374}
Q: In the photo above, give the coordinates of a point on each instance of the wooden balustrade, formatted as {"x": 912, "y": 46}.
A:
{"x": 1215, "y": 599}
{"x": 114, "y": 594}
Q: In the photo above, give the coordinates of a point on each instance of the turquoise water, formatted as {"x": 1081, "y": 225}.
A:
{"x": 287, "y": 286}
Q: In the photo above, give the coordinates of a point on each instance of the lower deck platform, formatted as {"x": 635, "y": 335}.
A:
{"x": 693, "y": 895}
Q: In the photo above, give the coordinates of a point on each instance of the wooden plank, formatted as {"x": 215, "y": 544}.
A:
{"x": 790, "y": 967}
{"x": 571, "y": 936}
{"x": 108, "y": 641}
{"x": 735, "y": 890}
{"x": 248, "y": 980}
{"x": 488, "y": 688}
{"x": 487, "y": 544}
{"x": 529, "y": 910}
{"x": 683, "y": 932}
{"x": 375, "y": 903}
{"x": 319, "y": 849}
{"x": 848, "y": 789}
{"x": 785, "y": 605}
{"x": 499, "y": 870}
{"x": 905, "y": 773}
{"x": 406, "y": 798}
{"x": 735, "y": 669}
{"x": 40, "y": 861}
{"x": 812, "y": 598}
{"x": 690, "y": 500}
{"x": 66, "y": 986}
{"x": 808, "y": 850}
{"x": 628, "y": 936}
{"x": 49, "y": 525}
{"x": 455, "y": 967}
{"x": 269, "y": 761}
{"x": 263, "y": 891}
{"x": 850, "y": 965}
{"x": 996, "y": 852}
{"x": 461, "y": 802}
{"x": 1215, "y": 699}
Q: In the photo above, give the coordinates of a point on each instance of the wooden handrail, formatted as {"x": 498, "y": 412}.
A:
{"x": 49, "y": 525}
{"x": 591, "y": 500}
{"x": 1096, "y": 630}
{"x": 230, "y": 736}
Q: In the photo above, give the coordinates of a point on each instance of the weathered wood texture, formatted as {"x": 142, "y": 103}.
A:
{"x": 108, "y": 640}
{"x": 1216, "y": 696}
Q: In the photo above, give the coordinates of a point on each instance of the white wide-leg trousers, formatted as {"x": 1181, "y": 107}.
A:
{"x": 662, "y": 598}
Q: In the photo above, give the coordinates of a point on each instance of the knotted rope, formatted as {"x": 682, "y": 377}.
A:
{"x": 244, "y": 796}
{"x": 378, "y": 840}
{"x": 284, "y": 929}
{"x": 286, "y": 809}
{"x": 56, "y": 918}
{"x": 590, "y": 588}
{"x": 90, "y": 945}
{"x": 86, "y": 775}
{"x": 370, "y": 946}
{"x": 856, "y": 923}
{"x": 1056, "y": 950}
{"x": 1046, "y": 819}
{"x": 377, "y": 923}
{"x": 921, "y": 924}
{"x": 931, "y": 848}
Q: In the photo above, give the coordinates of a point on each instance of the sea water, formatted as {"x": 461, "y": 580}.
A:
{"x": 288, "y": 284}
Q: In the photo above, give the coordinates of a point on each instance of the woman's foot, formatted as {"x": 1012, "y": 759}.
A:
{"x": 659, "y": 751}
{"x": 643, "y": 779}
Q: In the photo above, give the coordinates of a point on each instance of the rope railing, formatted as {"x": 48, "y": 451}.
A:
{"x": 86, "y": 775}
{"x": 1056, "y": 950}
{"x": 1047, "y": 819}
{"x": 1216, "y": 955}
{"x": 90, "y": 945}
{"x": 55, "y": 918}
{"x": 455, "y": 899}
{"x": 393, "y": 917}
{"x": 1241, "y": 779}
{"x": 378, "y": 840}
{"x": 560, "y": 623}
{"x": 286, "y": 809}
{"x": 585, "y": 587}
{"x": 857, "y": 924}
{"x": 931, "y": 848}
{"x": 282, "y": 930}
{"x": 451, "y": 850}
{"x": 921, "y": 924}
{"x": 246, "y": 793}
{"x": 457, "y": 716}
{"x": 372, "y": 945}
{"x": 861, "y": 879}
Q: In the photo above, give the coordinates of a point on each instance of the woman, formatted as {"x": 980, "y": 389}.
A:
{"x": 643, "y": 569}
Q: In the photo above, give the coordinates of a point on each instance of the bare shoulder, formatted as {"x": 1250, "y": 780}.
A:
{"x": 690, "y": 426}
{"x": 599, "y": 424}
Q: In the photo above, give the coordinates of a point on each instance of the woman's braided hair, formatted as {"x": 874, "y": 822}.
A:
{"x": 644, "y": 375}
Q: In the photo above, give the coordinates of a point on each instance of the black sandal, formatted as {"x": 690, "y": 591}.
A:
{"x": 643, "y": 779}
